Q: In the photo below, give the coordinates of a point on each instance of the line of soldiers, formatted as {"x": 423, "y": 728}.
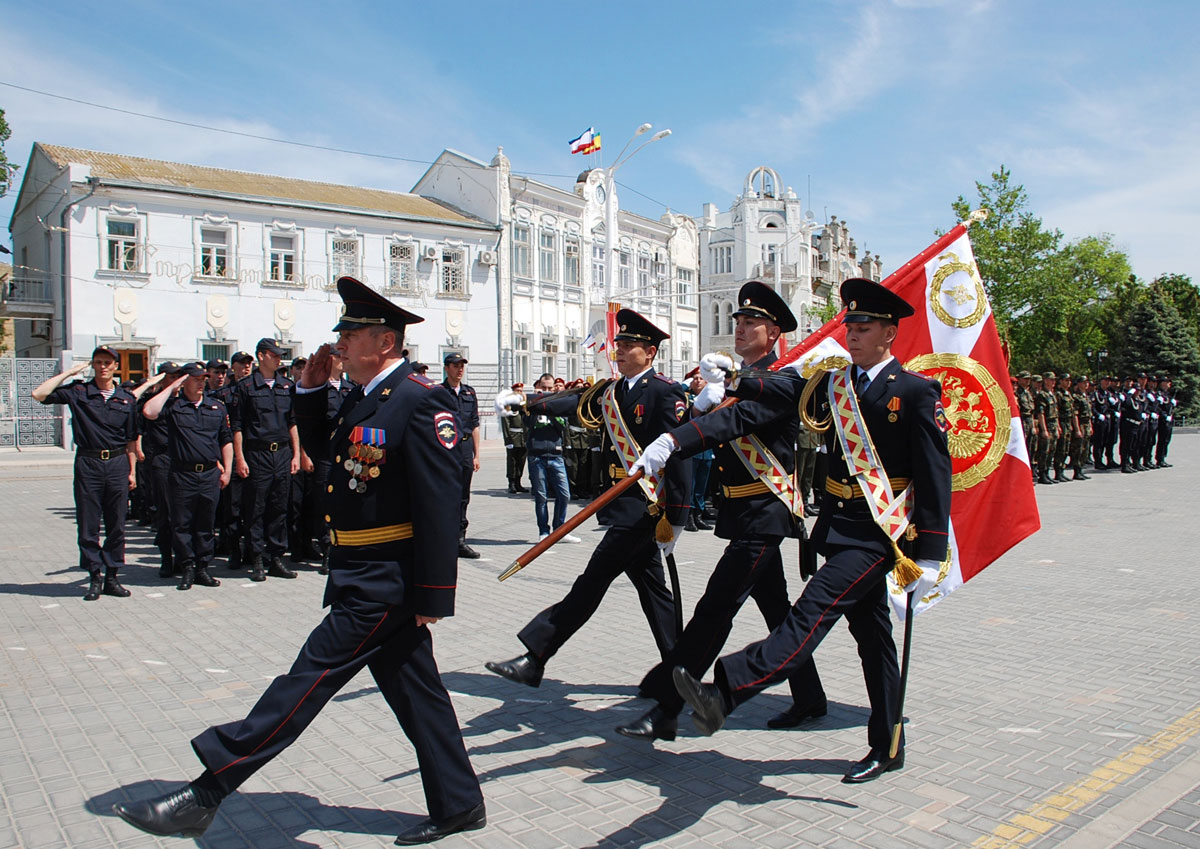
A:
{"x": 1070, "y": 422}
{"x": 581, "y": 451}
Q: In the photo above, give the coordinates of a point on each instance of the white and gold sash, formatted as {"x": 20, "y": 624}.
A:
{"x": 761, "y": 463}
{"x": 626, "y": 445}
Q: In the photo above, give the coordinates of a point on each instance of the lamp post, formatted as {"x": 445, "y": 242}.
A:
{"x": 610, "y": 200}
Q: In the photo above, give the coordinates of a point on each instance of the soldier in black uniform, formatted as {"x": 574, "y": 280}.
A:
{"x": 266, "y": 449}
{"x": 158, "y": 469}
{"x": 229, "y": 509}
{"x": 903, "y": 415}
{"x": 649, "y": 404}
{"x": 392, "y": 505}
{"x": 454, "y": 366}
{"x": 201, "y": 461}
{"x": 1101, "y": 419}
{"x": 1150, "y": 433}
{"x": 1166, "y": 421}
{"x": 215, "y": 371}
{"x": 753, "y": 518}
{"x": 104, "y": 428}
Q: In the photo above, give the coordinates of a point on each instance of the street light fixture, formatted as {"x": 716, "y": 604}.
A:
{"x": 610, "y": 199}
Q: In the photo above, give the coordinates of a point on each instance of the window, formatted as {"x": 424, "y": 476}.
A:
{"x": 132, "y": 365}
{"x": 660, "y": 272}
{"x": 520, "y": 250}
{"x": 716, "y": 318}
{"x": 599, "y": 266}
{"x": 214, "y": 252}
{"x": 625, "y": 270}
{"x": 722, "y": 260}
{"x": 730, "y": 321}
{"x": 643, "y": 272}
{"x": 571, "y": 261}
{"x": 214, "y": 351}
{"x": 401, "y": 266}
{"x": 769, "y": 252}
{"x": 282, "y": 266}
{"x": 454, "y": 272}
{"x": 687, "y": 295}
{"x": 549, "y": 349}
{"x": 685, "y": 353}
{"x": 521, "y": 358}
{"x": 343, "y": 254}
{"x": 572, "y": 359}
{"x": 123, "y": 238}
{"x": 547, "y": 250}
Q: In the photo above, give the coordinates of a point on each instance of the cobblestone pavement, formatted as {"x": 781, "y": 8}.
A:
{"x": 1053, "y": 701}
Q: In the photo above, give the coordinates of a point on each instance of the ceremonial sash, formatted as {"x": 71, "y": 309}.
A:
{"x": 761, "y": 463}
{"x": 626, "y": 445}
{"x": 889, "y": 511}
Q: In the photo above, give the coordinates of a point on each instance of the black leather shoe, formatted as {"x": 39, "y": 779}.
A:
{"x": 187, "y": 575}
{"x": 655, "y": 724}
{"x": 690, "y": 524}
{"x": 872, "y": 766}
{"x": 708, "y": 712}
{"x": 810, "y": 510}
{"x": 525, "y": 669}
{"x": 166, "y": 568}
{"x": 204, "y": 579}
{"x": 94, "y": 588}
{"x": 113, "y": 587}
{"x": 702, "y": 525}
{"x": 796, "y": 714}
{"x": 175, "y": 813}
{"x": 278, "y": 570}
{"x": 429, "y": 830}
{"x": 522, "y": 488}
{"x": 257, "y": 572}
{"x": 466, "y": 551}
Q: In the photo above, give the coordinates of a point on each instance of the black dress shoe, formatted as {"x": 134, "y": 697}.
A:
{"x": 522, "y": 488}
{"x": 708, "y": 711}
{"x": 466, "y": 551}
{"x": 796, "y": 714}
{"x": 203, "y": 578}
{"x": 525, "y": 669}
{"x": 655, "y": 724}
{"x": 257, "y": 572}
{"x": 278, "y": 570}
{"x": 872, "y": 766}
{"x": 702, "y": 525}
{"x": 187, "y": 575}
{"x": 690, "y": 524}
{"x": 175, "y": 813}
{"x": 429, "y": 830}
{"x": 113, "y": 587}
{"x": 94, "y": 588}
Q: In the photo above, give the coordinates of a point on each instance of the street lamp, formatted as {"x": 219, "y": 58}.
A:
{"x": 610, "y": 199}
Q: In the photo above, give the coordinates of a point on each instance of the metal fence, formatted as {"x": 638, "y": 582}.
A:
{"x": 23, "y": 421}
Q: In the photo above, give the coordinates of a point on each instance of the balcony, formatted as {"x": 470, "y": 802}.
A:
{"x": 28, "y": 296}
{"x": 766, "y": 271}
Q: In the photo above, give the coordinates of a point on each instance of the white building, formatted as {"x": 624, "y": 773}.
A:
{"x": 766, "y": 236}
{"x": 170, "y": 261}
{"x": 564, "y": 257}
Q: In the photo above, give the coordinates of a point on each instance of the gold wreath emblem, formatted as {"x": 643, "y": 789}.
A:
{"x": 961, "y": 294}
{"x": 978, "y": 435}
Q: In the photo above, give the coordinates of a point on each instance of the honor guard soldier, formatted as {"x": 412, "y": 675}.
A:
{"x": 1047, "y": 409}
{"x": 200, "y": 446}
{"x": 454, "y": 366}
{"x": 266, "y": 451}
{"x": 1025, "y": 406}
{"x": 637, "y": 407}
{"x": 1150, "y": 436}
{"x": 1101, "y": 418}
{"x": 104, "y": 429}
{"x": 393, "y": 570}
{"x": 755, "y": 457}
{"x": 1081, "y": 441}
{"x": 513, "y": 430}
{"x": 1166, "y": 421}
{"x": 1131, "y": 420}
{"x": 895, "y": 417}
{"x": 229, "y": 510}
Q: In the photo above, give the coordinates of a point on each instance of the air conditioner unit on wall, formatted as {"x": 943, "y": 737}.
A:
{"x": 487, "y": 257}
{"x": 430, "y": 252}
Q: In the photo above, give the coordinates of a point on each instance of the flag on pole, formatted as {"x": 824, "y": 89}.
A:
{"x": 952, "y": 338}
{"x": 589, "y": 342}
{"x": 610, "y": 333}
{"x": 587, "y": 142}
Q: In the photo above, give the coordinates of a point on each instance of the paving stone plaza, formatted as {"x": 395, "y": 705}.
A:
{"x": 1053, "y": 701}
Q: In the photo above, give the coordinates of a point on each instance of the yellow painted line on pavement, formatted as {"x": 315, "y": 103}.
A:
{"x": 1023, "y": 828}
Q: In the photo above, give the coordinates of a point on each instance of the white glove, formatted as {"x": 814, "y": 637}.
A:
{"x": 930, "y": 569}
{"x": 711, "y": 395}
{"x": 668, "y": 547}
{"x": 714, "y": 368}
{"x": 656, "y": 454}
{"x": 505, "y": 399}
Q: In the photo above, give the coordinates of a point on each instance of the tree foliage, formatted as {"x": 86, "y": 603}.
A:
{"x": 7, "y": 169}
{"x": 1157, "y": 341}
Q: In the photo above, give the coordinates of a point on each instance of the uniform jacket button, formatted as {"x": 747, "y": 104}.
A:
{"x": 329, "y": 488}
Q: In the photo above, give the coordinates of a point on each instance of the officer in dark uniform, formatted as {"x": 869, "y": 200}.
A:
{"x": 903, "y": 415}
{"x": 158, "y": 468}
{"x": 393, "y": 572}
{"x": 215, "y": 371}
{"x": 1150, "y": 434}
{"x": 104, "y": 429}
{"x": 513, "y": 431}
{"x": 468, "y": 447}
{"x": 229, "y": 509}
{"x": 266, "y": 449}
{"x": 754, "y": 520}
{"x": 650, "y": 404}
{"x": 1131, "y": 421}
{"x": 1114, "y": 429}
{"x": 1166, "y": 421}
{"x": 1101, "y": 418}
{"x": 340, "y": 388}
{"x": 201, "y": 461}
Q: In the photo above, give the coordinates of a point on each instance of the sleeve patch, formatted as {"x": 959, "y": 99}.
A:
{"x": 446, "y": 429}
{"x": 680, "y": 409}
{"x": 939, "y": 417}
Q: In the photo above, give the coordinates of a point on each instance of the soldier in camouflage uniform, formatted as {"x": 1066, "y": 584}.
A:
{"x": 1025, "y": 406}
{"x": 1066, "y": 421}
{"x": 1081, "y": 440}
{"x": 513, "y": 430}
{"x": 1046, "y": 410}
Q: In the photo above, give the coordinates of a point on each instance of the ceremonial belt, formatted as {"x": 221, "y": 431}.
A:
{"x": 850, "y": 491}
{"x": 102, "y": 453}
{"x": 627, "y": 447}
{"x": 890, "y": 511}
{"x": 372, "y": 536}
{"x": 760, "y": 462}
{"x": 745, "y": 490}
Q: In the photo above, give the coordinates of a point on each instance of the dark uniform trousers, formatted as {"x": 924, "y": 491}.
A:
{"x": 265, "y": 499}
{"x": 466, "y": 453}
{"x": 631, "y": 550}
{"x": 229, "y": 509}
{"x": 192, "y": 497}
{"x": 101, "y": 494}
{"x": 160, "y": 474}
{"x": 751, "y": 567}
{"x": 356, "y": 632}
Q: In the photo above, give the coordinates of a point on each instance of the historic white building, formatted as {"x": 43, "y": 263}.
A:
{"x": 565, "y": 257}
{"x": 765, "y": 235}
{"x": 171, "y": 261}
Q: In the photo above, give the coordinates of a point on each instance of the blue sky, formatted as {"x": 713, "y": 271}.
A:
{"x": 891, "y": 108}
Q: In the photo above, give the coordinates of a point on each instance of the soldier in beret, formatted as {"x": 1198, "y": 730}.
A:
{"x": 1025, "y": 405}
{"x": 1081, "y": 438}
{"x": 1046, "y": 409}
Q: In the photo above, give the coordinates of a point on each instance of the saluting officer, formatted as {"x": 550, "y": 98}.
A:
{"x": 158, "y": 462}
{"x": 201, "y": 461}
{"x": 104, "y": 429}
{"x": 639, "y": 406}
{"x": 468, "y": 449}
{"x": 760, "y": 510}
{"x": 393, "y": 572}
{"x": 266, "y": 450}
{"x": 900, "y": 414}
{"x": 229, "y": 510}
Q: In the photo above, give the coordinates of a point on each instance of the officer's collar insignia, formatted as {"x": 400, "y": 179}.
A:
{"x": 385, "y": 392}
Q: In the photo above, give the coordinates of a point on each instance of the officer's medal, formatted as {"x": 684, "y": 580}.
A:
{"x": 639, "y": 410}
{"x": 366, "y": 455}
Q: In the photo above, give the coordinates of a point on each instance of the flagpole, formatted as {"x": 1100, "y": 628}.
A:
{"x": 908, "y": 626}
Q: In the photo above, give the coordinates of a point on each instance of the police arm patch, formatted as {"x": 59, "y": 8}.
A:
{"x": 939, "y": 417}
{"x": 446, "y": 429}
{"x": 680, "y": 409}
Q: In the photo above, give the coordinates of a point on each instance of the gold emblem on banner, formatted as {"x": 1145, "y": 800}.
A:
{"x": 961, "y": 294}
{"x": 977, "y": 410}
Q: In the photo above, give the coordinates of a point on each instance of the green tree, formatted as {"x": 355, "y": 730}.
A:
{"x": 1157, "y": 341}
{"x": 1182, "y": 292}
{"x": 7, "y": 169}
